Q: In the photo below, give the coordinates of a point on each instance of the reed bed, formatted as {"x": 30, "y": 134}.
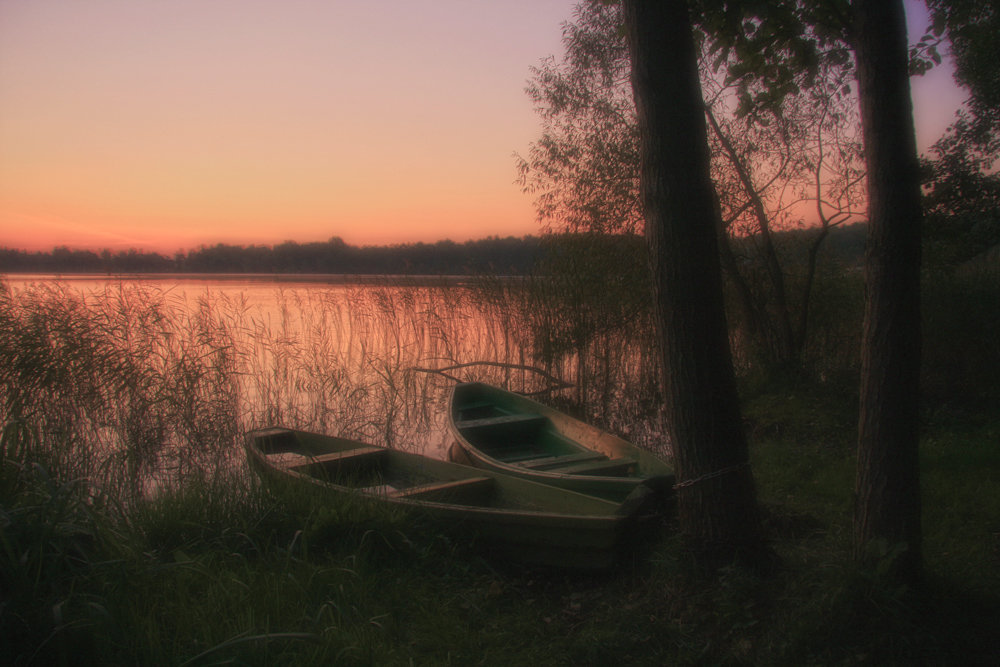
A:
{"x": 136, "y": 385}
{"x": 115, "y": 388}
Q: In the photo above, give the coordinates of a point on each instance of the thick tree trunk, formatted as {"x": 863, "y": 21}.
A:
{"x": 887, "y": 513}
{"x": 716, "y": 498}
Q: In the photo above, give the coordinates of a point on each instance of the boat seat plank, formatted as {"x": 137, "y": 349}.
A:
{"x": 294, "y": 461}
{"x": 287, "y": 459}
{"x": 503, "y": 420}
{"x": 610, "y": 467}
{"x": 477, "y": 405}
{"x": 517, "y": 454}
{"x": 449, "y": 489}
{"x": 553, "y": 461}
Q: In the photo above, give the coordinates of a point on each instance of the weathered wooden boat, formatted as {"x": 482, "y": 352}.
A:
{"x": 498, "y": 430}
{"x": 520, "y": 519}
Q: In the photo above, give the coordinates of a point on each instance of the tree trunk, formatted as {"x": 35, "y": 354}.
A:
{"x": 887, "y": 512}
{"x": 717, "y": 503}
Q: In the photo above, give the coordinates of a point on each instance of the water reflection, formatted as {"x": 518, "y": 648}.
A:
{"x": 191, "y": 363}
{"x": 326, "y": 353}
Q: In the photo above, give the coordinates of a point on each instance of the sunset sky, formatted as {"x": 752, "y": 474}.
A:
{"x": 164, "y": 125}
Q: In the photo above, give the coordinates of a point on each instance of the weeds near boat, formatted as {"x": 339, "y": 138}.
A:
{"x": 135, "y": 387}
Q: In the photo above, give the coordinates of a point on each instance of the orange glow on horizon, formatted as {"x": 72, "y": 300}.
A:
{"x": 168, "y": 126}
{"x": 387, "y": 225}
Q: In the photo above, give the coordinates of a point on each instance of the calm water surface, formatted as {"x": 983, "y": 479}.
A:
{"x": 332, "y": 353}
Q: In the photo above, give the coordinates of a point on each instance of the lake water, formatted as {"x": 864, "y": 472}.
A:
{"x": 185, "y": 365}
{"x": 369, "y": 358}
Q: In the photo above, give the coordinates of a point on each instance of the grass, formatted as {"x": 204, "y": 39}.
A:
{"x": 202, "y": 577}
{"x": 130, "y": 532}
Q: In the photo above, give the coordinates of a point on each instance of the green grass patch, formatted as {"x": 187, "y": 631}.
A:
{"x": 225, "y": 573}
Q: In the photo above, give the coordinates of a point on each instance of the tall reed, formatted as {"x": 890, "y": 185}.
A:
{"x": 136, "y": 386}
{"x": 116, "y": 387}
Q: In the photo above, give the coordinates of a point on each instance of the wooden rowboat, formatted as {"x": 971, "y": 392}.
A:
{"x": 520, "y": 519}
{"x": 504, "y": 432}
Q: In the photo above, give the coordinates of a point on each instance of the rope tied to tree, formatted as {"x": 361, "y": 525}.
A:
{"x": 712, "y": 475}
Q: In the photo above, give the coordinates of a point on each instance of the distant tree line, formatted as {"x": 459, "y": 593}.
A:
{"x": 492, "y": 255}
{"x": 502, "y": 256}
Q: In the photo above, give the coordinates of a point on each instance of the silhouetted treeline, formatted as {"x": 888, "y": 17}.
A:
{"x": 66, "y": 260}
{"x": 492, "y": 255}
{"x": 504, "y": 256}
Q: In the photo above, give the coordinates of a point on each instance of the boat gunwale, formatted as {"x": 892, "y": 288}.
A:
{"x": 615, "y": 515}
{"x": 524, "y": 472}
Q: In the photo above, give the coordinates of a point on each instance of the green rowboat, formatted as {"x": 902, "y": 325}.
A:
{"x": 501, "y": 431}
{"x": 520, "y": 519}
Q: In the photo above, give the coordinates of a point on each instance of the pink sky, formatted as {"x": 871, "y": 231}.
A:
{"x": 167, "y": 125}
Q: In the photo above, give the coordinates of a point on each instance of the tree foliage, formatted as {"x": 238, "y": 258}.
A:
{"x": 961, "y": 183}
{"x": 584, "y": 168}
{"x": 961, "y": 195}
{"x": 778, "y": 158}
{"x": 959, "y": 179}
{"x": 971, "y": 28}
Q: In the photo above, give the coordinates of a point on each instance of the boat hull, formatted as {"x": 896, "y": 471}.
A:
{"x": 520, "y": 520}
{"x": 501, "y": 431}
